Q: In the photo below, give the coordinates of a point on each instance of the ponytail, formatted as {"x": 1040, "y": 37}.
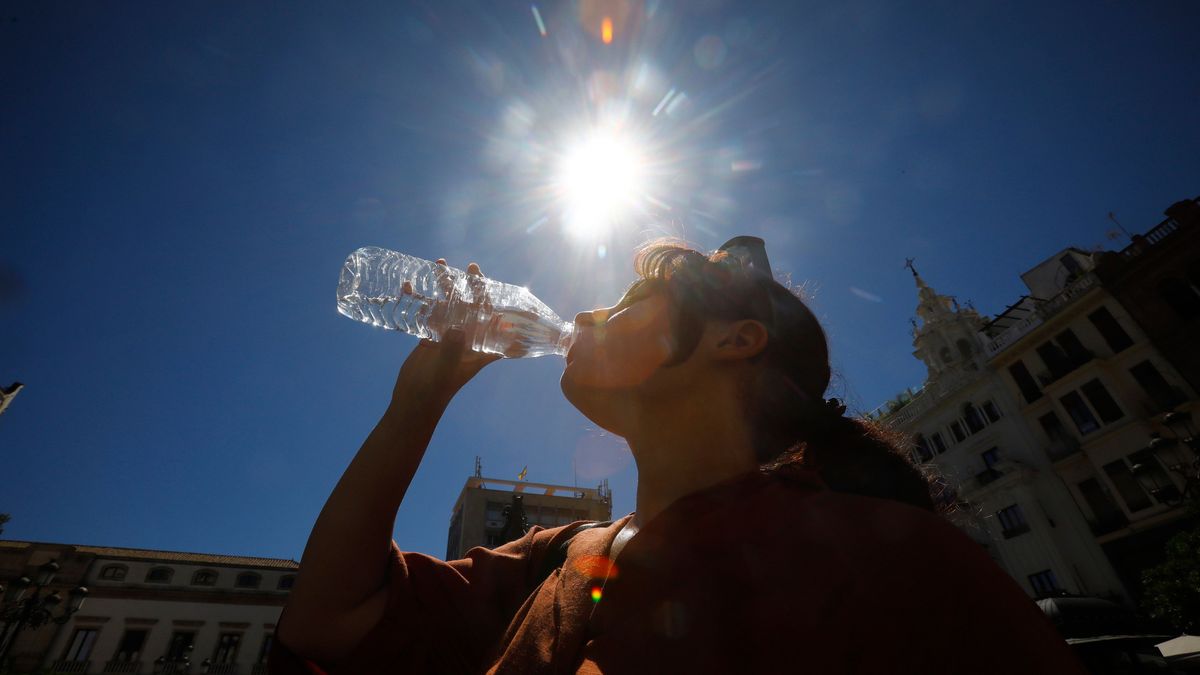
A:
{"x": 863, "y": 458}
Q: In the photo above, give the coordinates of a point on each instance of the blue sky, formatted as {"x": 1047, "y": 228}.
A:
{"x": 181, "y": 182}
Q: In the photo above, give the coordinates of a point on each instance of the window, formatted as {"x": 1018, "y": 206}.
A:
{"x": 1110, "y": 330}
{"x": 1020, "y": 375}
{"x": 956, "y": 430}
{"x": 286, "y": 582}
{"x": 921, "y": 449}
{"x": 265, "y": 649}
{"x": 964, "y": 348}
{"x": 114, "y": 572}
{"x": 180, "y": 645}
{"x": 1044, "y": 583}
{"x": 1012, "y": 520}
{"x": 973, "y": 419}
{"x": 80, "y": 646}
{"x": 1052, "y": 426}
{"x": 159, "y": 575}
{"x": 248, "y": 580}
{"x": 1108, "y": 515}
{"x": 1079, "y": 412}
{"x": 1180, "y": 296}
{"x": 227, "y": 647}
{"x": 1127, "y": 486}
{"x": 1055, "y": 359}
{"x": 1100, "y": 399}
{"x": 1076, "y": 352}
{"x": 990, "y": 457}
{"x": 991, "y": 412}
{"x": 204, "y": 578}
{"x": 937, "y": 442}
{"x": 130, "y": 648}
{"x": 1155, "y": 385}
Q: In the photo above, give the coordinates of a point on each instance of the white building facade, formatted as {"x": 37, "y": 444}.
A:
{"x": 154, "y": 611}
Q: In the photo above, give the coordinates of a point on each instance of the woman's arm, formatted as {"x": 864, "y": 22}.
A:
{"x": 340, "y": 591}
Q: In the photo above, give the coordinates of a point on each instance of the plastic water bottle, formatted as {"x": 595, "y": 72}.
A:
{"x": 399, "y": 292}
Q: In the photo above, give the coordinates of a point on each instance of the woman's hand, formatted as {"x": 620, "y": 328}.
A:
{"x": 435, "y": 371}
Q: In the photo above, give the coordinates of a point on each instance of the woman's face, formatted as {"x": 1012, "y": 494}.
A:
{"x": 617, "y": 354}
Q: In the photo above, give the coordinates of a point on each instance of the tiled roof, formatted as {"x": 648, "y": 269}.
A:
{"x": 170, "y": 556}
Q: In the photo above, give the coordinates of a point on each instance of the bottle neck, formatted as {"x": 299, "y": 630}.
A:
{"x": 565, "y": 339}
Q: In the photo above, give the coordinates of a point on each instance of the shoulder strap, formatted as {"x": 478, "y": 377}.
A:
{"x": 558, "y": 556}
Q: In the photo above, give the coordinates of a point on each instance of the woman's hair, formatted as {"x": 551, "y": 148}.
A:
{"x": 793, "y": 425}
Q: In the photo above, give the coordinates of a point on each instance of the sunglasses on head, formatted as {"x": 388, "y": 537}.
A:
{"x": 750, "y": 252}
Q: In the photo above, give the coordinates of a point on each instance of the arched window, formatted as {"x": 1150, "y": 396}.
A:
{"x": 964, "y": 348}
{"x": 286, "y": 582}
{"x": 159, "y": 575}
{"x": 248, "y": 580}
{"x": 1180, "y": 296}
{"x": 114, "y": 572}
{"x": 204, "y": 578}
{"x": 972, "y": 417}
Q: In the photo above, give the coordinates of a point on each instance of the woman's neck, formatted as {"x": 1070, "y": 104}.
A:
{"x": 699, "y": 447}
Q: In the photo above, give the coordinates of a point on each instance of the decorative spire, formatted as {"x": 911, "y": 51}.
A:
{"x": 908, "y": 262}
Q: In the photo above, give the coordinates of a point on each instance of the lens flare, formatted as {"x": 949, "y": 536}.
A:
{"x": 596, "y": 594}
{"x": 606, "y": 30}
{"x": 601, "y": 179}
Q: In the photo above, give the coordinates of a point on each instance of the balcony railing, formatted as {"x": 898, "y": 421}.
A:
{"x": 222, "y": 669}
{"x": 1044, "y": 311}
{"x": 258, "y": 669}
{"x": 128, "y": 667}
{"x": 66, "y": 667}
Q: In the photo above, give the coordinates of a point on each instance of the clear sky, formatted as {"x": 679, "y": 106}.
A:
{"x": 182, "y": 181}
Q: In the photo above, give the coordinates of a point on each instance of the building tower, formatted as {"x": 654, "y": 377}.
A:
{"x": 946, "y": 338}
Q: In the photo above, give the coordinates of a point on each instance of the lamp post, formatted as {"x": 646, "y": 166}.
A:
{"x": 37, "y": 610}
{"x": 1179, "y": 451}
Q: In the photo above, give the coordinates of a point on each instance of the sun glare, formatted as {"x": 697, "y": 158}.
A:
{"x": 601, "y": 180}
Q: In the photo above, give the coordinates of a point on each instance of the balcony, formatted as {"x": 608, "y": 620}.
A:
{"x": 258, "y": 669}
{"x": 130, "y": 667}
{"x": 66, "y": 667}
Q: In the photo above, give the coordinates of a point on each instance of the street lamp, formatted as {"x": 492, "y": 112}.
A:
{"x": 36, "y": 610}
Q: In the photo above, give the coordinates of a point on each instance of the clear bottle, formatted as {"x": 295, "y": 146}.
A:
{"x": 399, "y": 292}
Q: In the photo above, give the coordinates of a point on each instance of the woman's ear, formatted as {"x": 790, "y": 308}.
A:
{"x": 742, "y": 339}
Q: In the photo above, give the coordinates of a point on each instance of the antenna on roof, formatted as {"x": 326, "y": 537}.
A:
{"x": 478, "y": 467}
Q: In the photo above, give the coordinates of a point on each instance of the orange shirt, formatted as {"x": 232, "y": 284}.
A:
{"x": 760, "y": 574}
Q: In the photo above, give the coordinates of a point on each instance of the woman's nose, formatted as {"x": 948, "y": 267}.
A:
{"x": 592, "y": 318}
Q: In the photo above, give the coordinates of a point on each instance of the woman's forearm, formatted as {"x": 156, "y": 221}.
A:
{"x": 346, "y": 558}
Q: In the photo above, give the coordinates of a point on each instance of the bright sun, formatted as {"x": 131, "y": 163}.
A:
{"x": 600, "y": 180}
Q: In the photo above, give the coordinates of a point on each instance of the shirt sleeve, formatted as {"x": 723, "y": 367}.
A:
{"x": 441, "y": 617}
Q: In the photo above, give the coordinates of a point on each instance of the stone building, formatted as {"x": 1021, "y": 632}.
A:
{"x": 487, "y": 505}
{"x": 967, "y": 423}
{"x": 152, "y": 611}
{"x": 1070, "y": 386}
